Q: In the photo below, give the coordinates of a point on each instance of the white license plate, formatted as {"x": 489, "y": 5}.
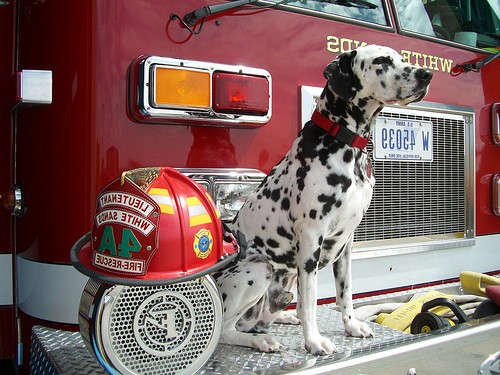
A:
{"x": 402, "y": 140}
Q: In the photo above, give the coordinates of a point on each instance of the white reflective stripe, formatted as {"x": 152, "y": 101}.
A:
{"x": 197, "y": 210}
{"x": 6, "y": 297}
{"x": 50, "y": 291}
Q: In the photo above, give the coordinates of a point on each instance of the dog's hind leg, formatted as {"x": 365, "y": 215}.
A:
{"x": 243, "y": 288}
{"x": 268, "y": 310}
{"x": 342, "y": 273}
{"x": 283, "y": 282}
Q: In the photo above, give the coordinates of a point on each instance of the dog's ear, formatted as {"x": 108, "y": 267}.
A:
{"x": 341, "y": 77}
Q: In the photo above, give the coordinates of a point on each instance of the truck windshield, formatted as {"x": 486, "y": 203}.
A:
{"x": 473, "y": 23}
{"x": 362, "y": 10}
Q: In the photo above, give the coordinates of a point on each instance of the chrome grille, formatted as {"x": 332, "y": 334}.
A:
{"x": 156, "y": 330}
{"x": 412, "y": 199}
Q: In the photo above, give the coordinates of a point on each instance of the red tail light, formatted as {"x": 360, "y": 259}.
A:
{"x": 240, "y": 94}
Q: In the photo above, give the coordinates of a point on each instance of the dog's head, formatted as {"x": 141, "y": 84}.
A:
{"x": 377, "y": 72}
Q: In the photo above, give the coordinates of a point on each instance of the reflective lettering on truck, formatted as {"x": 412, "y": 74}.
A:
{"x": 335, "y": 44}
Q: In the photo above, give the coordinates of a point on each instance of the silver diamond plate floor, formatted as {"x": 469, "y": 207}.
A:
{"x": 63, "y": 352}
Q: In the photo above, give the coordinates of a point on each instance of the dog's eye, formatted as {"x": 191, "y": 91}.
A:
{"x": 382, "y": 60}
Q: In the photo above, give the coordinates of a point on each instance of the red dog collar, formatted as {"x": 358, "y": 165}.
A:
{"x": 339, "y": 132}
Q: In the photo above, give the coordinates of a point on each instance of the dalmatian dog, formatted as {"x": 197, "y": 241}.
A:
{"x": 303, "y": 215}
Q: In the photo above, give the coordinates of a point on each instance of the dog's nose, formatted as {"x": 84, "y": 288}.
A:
{"x": 423, "y": 75}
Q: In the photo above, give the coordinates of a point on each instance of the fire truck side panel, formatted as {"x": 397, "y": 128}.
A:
{"x": 73, "y": 147}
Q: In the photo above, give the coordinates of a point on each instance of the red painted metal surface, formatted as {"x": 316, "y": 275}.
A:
{"x": 75, "y": 146}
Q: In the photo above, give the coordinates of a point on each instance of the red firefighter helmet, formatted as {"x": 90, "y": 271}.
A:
{"x": 153, "y": 226}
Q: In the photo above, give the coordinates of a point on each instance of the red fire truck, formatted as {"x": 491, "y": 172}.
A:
{"x": 220, "y": 89}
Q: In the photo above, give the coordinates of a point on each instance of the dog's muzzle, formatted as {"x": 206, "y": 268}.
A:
{"x": 423, "y": 78}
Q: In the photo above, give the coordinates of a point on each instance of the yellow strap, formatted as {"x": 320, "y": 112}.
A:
{"x": 476, "y": 283}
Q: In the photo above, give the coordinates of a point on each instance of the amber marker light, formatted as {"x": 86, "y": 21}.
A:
{"x": 182, "y": 88}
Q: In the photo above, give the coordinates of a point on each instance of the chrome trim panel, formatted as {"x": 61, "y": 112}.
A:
{"x": 214, "y": 178}
{"x": 142, "y": 104}
{"x": 495, "y": 188}
{"x": 495, "y": 123}
{"x": 424, "y": 206}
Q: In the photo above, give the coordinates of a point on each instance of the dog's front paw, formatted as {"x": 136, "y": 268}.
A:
{"x": 355, "y": 328}
{"x": 266, "y": 343}
{"x": 320, "y": 346}
{"x": 287, "y": 317}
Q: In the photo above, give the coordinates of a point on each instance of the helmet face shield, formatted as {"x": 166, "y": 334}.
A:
{"x": 153, "y": 226}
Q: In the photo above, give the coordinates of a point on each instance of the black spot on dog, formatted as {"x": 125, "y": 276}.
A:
{"x": 312, "y": 264}
{"x": 250, "y": 282}
{"x": 287, "y": 258}
{"x": 272, "y": 243}
{"x": 275, "y": 195}
{"x": 328, "y": 202}
{"x": 313, "y": 213}
{"x": 348, "y": 155}
{"x": 284, "y": 233}
{"x": 267, "y": 193}
{"x": 324, "y": 155}
{"x": 301, "y": 175}
{"x": 259, "y": 242}
{"x": 224, "y": 296}
{"x": 334, "y": 179}
{"x": 328, "y": 244}
{"x": 357, "y": 114}
{"x": 285, "y": 204}
{"x": 362, "y": 102}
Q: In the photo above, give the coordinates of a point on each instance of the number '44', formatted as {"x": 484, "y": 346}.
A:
{"x": 128, "y": 245}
